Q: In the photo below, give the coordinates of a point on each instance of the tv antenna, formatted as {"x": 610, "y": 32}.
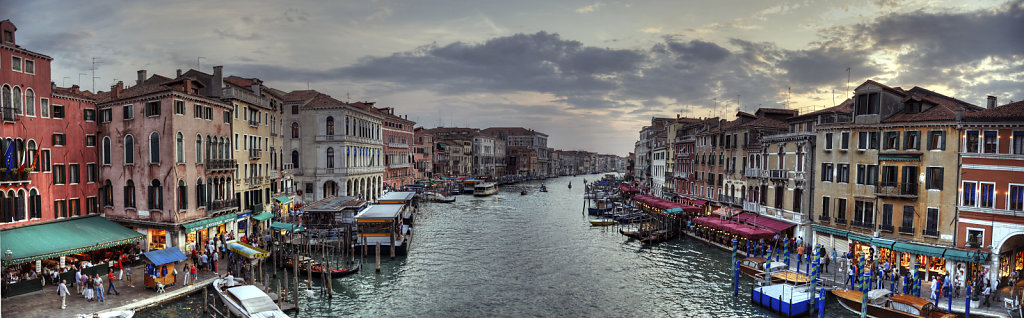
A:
{"x": 94, "y": 62}
{"x": 199, "y": 65}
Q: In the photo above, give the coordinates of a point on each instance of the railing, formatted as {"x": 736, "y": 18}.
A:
{"x": 751, "y": 207}
{"x": 398, "y": 165}
{"x": 398, "y": 145}
{"x": 906, "y": 230}
{"x": 800, "y": 175}
{"x": 840, "y": 221}
{"x": 932, "y": 233}
{"x": 752, "y": 173}
{"x": 824, "y": 218}
{"x": 255, "y": 153}
{"x": 344, "y": 138}
{"x": 245, "y": 95}
{"x": 297, "y": 172}
{"x": 894, "y": 189}
{"x": 221, "y": 205}
{"x": 13, "y": 177}
{"x": 681, "y": 175}
{"x": 287, "y": 166}
{"x": 863, "y": 225}
{"x": 254, "y": 182}
{"x": 253, "y": 123}
{"x": 10, "y": 114}
{"x": 783, "y": 214}
{"x": 775, "y": 174}
{"x": 329, "y": 171}
{"x": 885, "y": 228}
{"x": 255, "y": 208}
{"x": 730, "y": 170}
{"x": 215, "y": 165}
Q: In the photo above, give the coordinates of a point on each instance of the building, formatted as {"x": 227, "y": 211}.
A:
{"x": 990, "y": 227}
{"x": 659, "y": 160}
{"x": 524, "y": 137}
{"x": 453, "y": 153}
{"x": 398, "y": 139}
{"x": 330, "y": 159}
{"x": 423, "y": 153}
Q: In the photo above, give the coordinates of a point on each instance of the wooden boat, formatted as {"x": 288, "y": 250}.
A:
{"x": 602, "y": 222}
{"x": 447, "y": 200}
{"x": 307, "y": 264}
{"x": 110, "y": 314}
{"x": 485, "y": 189}
{"x": 658, "y": 236}
{"x": 522, "y": 192}
{"x": 246, "y": 300}
{"x": 634, "y": 234}
{"x": 543, "y": 188}
{"x": 754, "y": 267}
{"x": 883, "y": 304}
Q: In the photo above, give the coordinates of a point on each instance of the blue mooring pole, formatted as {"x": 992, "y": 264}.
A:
{"x": 735, "y": 270}
{"x": 967, "y": 306}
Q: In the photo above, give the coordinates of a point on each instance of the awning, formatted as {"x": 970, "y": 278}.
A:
{"x": 965, "y": 256}
{"x": 880, "y": 242}
{"x": 263, "y": 216}
{"x": 770, "y": 224}
{"x": 286, "y": 227}
{"x": 207, "y": 223}
{"x": 71, "y": 236}
{"x": 918, "y": 249}
{"x": 898, "y": 158}
{"x": 858, "y": 237}
{"x": 673, "y": 211}
{"x": 164, "y": 256}
{"x": 744, "y": 230}
{"x": 247, "y": 251}
{"x": 283, "y": 199}
{"x": 824, "y": 229}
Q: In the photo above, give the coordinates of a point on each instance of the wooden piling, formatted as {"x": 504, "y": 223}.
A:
{"x": 393, "y": 245}
{"x": 378, "y": 257}
{"x": 206, "y": 299}
{"x": 280, "y": 296}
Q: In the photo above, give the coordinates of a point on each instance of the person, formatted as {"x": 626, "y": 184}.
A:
{"x": 193, "y": 273}
{"x": 128, "y": 276}
{"x": 78, "y": 281}
{"x": 98, "y": 285}
{"x": 986, "y": 293}
{"x": 849, "y": 276}
{"x": 89, "y": 289}
{"x": 215, "y": 257}
{"x": 110, "y": 282}
{"x": 827, "y": 262}
{"x": 62, "y": 291}
{"x": 229, "y": 281}
{"x": 204, "y": 259}
{"x": 188, "y": 274}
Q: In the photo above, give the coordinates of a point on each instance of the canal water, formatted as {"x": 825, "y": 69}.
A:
{"x": 534, "y": 255}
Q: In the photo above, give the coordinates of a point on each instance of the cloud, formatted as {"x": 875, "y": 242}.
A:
{"x": 651, "y": 30}
{"x": 589, "y": 8}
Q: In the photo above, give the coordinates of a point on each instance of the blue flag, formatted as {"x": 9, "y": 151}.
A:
{"x": 9, "y": 158}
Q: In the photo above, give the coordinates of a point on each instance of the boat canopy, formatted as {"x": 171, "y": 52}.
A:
{"x": 253, "y": 299}
{"x": 247, "y": 251}
{"x": 397, "y": 197}
{"x": 164, "y": 256}
{"x": 379, "y": 212}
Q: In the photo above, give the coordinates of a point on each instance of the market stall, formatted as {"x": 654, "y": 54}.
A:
{"x": 160, "y": 266}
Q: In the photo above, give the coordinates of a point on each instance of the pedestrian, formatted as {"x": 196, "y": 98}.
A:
{"x": 187, "y": 274}
{"x": 827, "y": 262}
{"x": 935, "y": 289}
{"x": 110, "y": 283}
{"x": 204, "y": 259}
{"x": 215, "y": 258}
{"x": 193, "y": 273}
{"x": 62, "y": 291}
{"x": 79, "y": 281}
{"x": 849, "y": 276}
{"x": 128, "y": 276}
{"x": 986, "y": 293}
{"x": 97, "y": 283}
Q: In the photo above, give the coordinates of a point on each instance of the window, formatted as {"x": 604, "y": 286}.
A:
{"x": 295, "y": 130}
{"x": 60, "y": 209}
{"x": 59, "y": 176}
{"x": 35, "y": 206}
{"x": 889, "y": 176}
{"x": 975, "y": 237}
{"x": 988, "y": 196}
{"x": 73, "y": 173}
{"x": 60, "y": 139}
{"x": 129, "y": 150}
{"x": 295, "y": 159}
{"x": 841, "y": 210}
{"x": 1015, "y": 201}
{"x": 199, "y": 148}
{"x": 862, "y": 141}
{"x": 295, "y": 109}
{"x": 828, "y": 141}
{"x": 155, "y": 197}
{"x": 107, "y": 194}
{"x": 330, "y": 126}
{"x": 105, "y": 153}
{"x": 843, "y": 173}
{"x": 16, "y": 63}
{"x": 969, "y": 194}
{"x": 892, "y": 140}
{"x": 106, "y": 115}
{"x": 932, "y": 223}
{"x": 887, "y": 217}
{"x": 90, "y": 140}
{"x": 844, "y": 143}
{"x": 182, "y": 196}
{"x": 129, "y": 194}
{"x": 44, "y": 107}
{"x": 867, "y": 174}
{"x": 31, "y": 160}
{"x": 227, "y": 117}
{"x": 867, "y": 104}
{"x": 330, "y": 158}
{"x": 826, "y": 172}
{"x": 1017, "y": 142}
{"x": 991, "y": 141}
{"x": 200, "y": 193}
{"x": 154, "y": 148}
{"x": 89, "y": 114}
{"x": 824, "y": 208}
{"x": 91, "y": 173}
{"x": 44, "y": 160}
{"x": 912, "y": 140}
{"x": 128, "y": 112}
{"x": 197, "y": 111}
{"x": 933, "y": 178}
{"x": 971, "y": 141}
{"x": 17, "y": 100}
{"x": 864, "y": 213}
{"x": 907, "y": 226}
{"x": 179, "y": 107}
{"x": 91, "y": 205}
{"x": 57, "y": 111}
{"x": 30, "y": 66}
{"x": 30, "y": 102}
{"x": 179, "y": 148}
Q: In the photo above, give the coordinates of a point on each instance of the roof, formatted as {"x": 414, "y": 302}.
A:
{"x": 286, "y": 227}
{"x": 300, "y": 95}
{"x": 74, "y": 92}
{"x": 845, "y": 107}
{"x": 397, "y": 196}
{"x": 332, "y": 204}
{"x": 944, "y": 108}
{"x": 323, "y": 100}
{"x": 765, "y": 122}
{"x": 1008, "y": 112}
{"x": 239, "y": 81}
{"x": 380, "y": 212}
{"x": 77, "y": 235}
{"x": 513, "y": 131}
{"x": 164, "y": 256}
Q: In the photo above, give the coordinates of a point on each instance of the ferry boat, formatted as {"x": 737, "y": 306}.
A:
{"x": 469, "y": 184}
{"x": 485, "y": 189}
{"x": 246, "y": 300}
{"x": 382, "y": 223}
{"x": 883, "y": 304}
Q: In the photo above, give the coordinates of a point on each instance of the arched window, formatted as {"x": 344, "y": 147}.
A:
{"x": 346, "y": 127}
{"x": 199, "y": 148}
{"x": 7, "y": 102}
{"x": 154, "y": 147}
{"x": 182, "y": 195}
{"x": 330, "y": 158}
{"x": 179, "y": 145}
{"x": 30, "y": 102}
{"x": 30, "y": 155}
{"x": 295, "y": 159}
{"x": 200, "y": 193}
{"x": 105, "y": 156}
{"x": 129, "y": 150}
{"x": 17, "y": 100}
{"x": 155, "y": 198}
{"x": 107, "y": 194}
{"x": 295, "y": 130}
{"x": 35, "y": 206}
{"x": 129, "y": 194}
{"x": 330, "y": 126}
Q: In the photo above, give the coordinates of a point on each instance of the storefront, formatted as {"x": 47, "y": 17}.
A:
{"x": 259, "y": 221}
{"x": 157, "y": 239}
{"x": 831, "y": 239}
{"x": 243, "y": 223}
{"x": 198, "y": 232}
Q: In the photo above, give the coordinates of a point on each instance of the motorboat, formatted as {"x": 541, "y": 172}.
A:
{"x": 883, "y": 304}
{"x": 522, "y": 192}
{"x": 602, "y": 222}
{"x": 110, "y": 314}
{"x": 779, "y": 272}
{"x": 485, "y": 189}
{"x": 246, "y": 300}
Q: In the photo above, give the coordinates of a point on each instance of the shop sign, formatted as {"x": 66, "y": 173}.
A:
{"x": 39, "y": 266}
{"x": 242, "y": 216}
{"x": 63, "y": 262}
{"x": 144, "y": 213}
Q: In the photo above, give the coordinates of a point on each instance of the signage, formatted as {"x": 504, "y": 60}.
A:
{"x": 242, "y": 216}
{"x": 144, "y": 213}
{"x": 39, "y": 266}
{"x": 63, "y": 262}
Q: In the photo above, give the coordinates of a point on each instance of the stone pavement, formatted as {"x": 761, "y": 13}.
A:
{"x": 45, "y": 303}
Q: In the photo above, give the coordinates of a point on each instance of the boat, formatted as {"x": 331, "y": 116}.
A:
{"x": 602, "y": 222}
{"x": 246, "y": 300}
{"x": 754, "y": 267}
{"x": 447, "y": 200}
{"x": 110, "y": 314}
{"x": 485, "y": 189}
{"x": 307, "y": 264}
{"x": 382, "y": 224}
{"x": 522, "y": 192}
{"x": 657, "y": 236}
{"x": 543, "y": 188}
{"x": 883, "y": 304}
{"x": 570, "y": 185}
{"x": 786, "y": 299}
{"x": 468, "y": 185}
{"x": 602, "y": 206}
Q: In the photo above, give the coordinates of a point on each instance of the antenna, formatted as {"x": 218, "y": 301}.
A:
{"x": 847, "y": 80}
{"x": 199, "y": 65}
{"x": 789, "y": 95}
{"x": 94, "y": 62}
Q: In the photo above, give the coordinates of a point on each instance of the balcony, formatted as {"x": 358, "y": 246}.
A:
{"x": 885, "y": 228}
{"x": 841, "y": 221}
{"x": 253, "y": 123}
{"x": 730, "y": 171}
{"x": 343, "y": 138}
{"x": 783, "y": 214}
{"x": 287, "y": 166}
{"x": 245, "y": 95}
{"x": 215, "y": 206}
{"x": 13, "y": 177}
{"x": 255, "y": 153}
{"x": 9, "y": 114}
{"x": 398, "y": 165}
{"x": 254, "y": 182}
{"x": 297, "y": 172}
{"x": 681, "y": 175}
{"x": 799, "y": 176}
{"x": 897, "y": 190}
{"x": 752, "y": 173}
{"x": 908, "y": 230}
{"x": 751, "y": 207}
{"x": 220, "y": 165}
{"x": 930, "y": 233}
{"x": 775, "y": 174}
{"x": 824, "y": 219}
{"x": 863, "y": 225}
{"x": 398, "y": 145}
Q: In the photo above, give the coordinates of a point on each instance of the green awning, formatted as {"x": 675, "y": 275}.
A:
{"x": 77, "y": 235}
{"x": 207, "y": 223}
{"x": 898, "y": 158}
{"x": 918, "y": 249}
{"x": 829, "y": 230}
{"x": 965, "y": 256}
{"x": 880, "y": 242}
{"x": 286, "y": 227}
{"x": 284, "y": 199}
{"x": 263, "y": 216}
{"x": 858, "y": 237}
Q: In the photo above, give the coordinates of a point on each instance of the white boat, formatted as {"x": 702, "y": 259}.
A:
{"x": 110, "y": 314}
{"x": 246, "y": 300}
{"x": 485, "y": 189}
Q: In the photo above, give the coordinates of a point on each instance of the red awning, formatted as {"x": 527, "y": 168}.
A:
{"x": 662, "y": 204}
{"x": 726, "y": 212}
{"x": 624, "y": 188}
{"x": 760, "y": 221}
{"x": 740, "y": 229}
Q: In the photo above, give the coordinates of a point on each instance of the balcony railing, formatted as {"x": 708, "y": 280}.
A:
{"x": 863, "y": 225}
{"x": 254, "y": 182}
{"x": 885, "y": 228}
{"x": 13, "y": 177}
{"x": 253, "y": 123}
{"x": 221, "y": 205}
{"x": 398, "y": 145}
{"x": 220, "y": 165}
{"x": 906, "y": 230}
{"x": 297, "y": 172}
{"x": 245, "y": 95}
{"x": 255, "y": 153}
{"x": 775, "y": 174}
{"x": 752, "y": 173}
{"x": 287, "y": 166}
{"x": 681, "y": 175}
{"x": 824, "y": 218}
{"x": 398, "y": 165}
{"x": 751, "y": 207}
{"x": 9, "y": 114}
{"x": 894, "y": 189}
{"x": 931, "y": 233}
{"x": 840, "y": 221}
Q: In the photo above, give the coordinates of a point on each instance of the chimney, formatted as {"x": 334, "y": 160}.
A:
{"x": 142, "y": 77}
{"x": 115, "y": 91}
{"x": 217, "y": 82}
{"x": 179, "y": 73}
{"x": 75, "y": 88}
{"x": 991, "y": 101}
{"x": 959, "y": 115}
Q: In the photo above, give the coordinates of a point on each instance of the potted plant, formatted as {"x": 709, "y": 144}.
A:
{"x": 975, "y": 297}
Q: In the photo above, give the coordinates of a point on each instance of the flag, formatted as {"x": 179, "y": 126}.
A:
{"x": 9, "y": 157}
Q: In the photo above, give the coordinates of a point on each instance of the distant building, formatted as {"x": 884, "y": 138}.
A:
{"x": 398, "y": 149}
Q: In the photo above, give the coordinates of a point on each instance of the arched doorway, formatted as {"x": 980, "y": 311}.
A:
{"x": 1010, "y": 253}
{"x": 330, "y": 189}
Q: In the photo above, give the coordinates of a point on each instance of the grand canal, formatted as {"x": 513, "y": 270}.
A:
{"x": 536, "y": 255}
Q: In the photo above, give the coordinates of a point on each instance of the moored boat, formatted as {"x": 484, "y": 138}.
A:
{"x": 786, "y": 299}
{"x": 307, "y": 264}
{"x": 883, "y": 304}
{"x": 246, "y": 300}
{"x": 602, "y": 222}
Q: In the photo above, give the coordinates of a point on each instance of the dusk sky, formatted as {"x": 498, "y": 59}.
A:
{"x": 590, "y": 74}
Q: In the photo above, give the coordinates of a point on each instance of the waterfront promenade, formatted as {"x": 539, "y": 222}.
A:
{"x": 45, "y": 303}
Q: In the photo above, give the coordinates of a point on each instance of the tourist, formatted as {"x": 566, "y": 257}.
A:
{"x": 89, "y": 289}
{"x": 827, "y": 262}
{"x": 78, "y": 281}
{"x": 215, "y": 257}
{"x": 187, "y": 274}
{"x": 935, "y": 289}
{"x": 97, "y": 284}
{"x": 110, "y": 282}
{"x": 229, "y": 281}
{"x": 62, "y": 291}
{"x": 192, "y": 271}
{"x": 986, "y": 293}
{"x": 205, "y": 260}
{"x": 128, "y": 276}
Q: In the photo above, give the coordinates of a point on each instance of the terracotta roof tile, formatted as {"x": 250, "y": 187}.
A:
{"x": 300, "y": 95}
{"x": 1008, "y": 112}
{"x": 323, "y": 100}
{"x": 944, "y": 110}
{"x": 765, "y": 122}
{"x": 73, "y": 91}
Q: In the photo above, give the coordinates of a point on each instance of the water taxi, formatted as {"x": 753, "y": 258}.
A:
{"x": 408, "y": 199}
{"x": 246, "y": 300}
{"x": 754, "y": 267}
{"x": 485, "y": 189}
{"x": 382, "y": 223}
{"x": 469, "y": 184}
{"x": 883, "y": 304}
{"x": 603, "y": 222}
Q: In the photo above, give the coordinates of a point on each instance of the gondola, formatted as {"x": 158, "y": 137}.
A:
{"x": 522, "y": 192}
{"x": 318, "y": 268}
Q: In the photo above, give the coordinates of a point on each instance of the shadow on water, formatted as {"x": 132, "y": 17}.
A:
{"x": 534, "y": 255}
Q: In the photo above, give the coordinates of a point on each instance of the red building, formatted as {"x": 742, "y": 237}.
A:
{"x": 398, "y": 139}
{"x": 43, "y": 175}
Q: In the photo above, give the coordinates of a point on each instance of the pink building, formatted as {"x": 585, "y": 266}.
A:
{"x": 398, "y": 139}
{"x": 423, "y": 153}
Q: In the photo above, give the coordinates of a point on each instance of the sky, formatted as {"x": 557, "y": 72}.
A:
{"x": 590, "y": 74}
